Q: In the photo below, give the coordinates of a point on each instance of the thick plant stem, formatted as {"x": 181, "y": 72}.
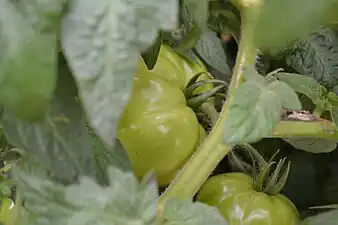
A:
{"x": 187, "y": 184}
{"x": 207, "y": 156}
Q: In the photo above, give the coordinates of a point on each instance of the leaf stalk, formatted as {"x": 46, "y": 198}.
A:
{"x": 319, "y": 129}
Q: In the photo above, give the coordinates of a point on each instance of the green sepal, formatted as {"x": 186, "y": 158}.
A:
{"x": 189, "y": 90}
{"x": 196, "y": 101}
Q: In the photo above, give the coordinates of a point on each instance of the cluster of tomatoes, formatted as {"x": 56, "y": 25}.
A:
{"x": 160, "y": 132}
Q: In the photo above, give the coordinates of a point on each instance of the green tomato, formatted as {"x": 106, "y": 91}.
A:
{"x": 234, "y": 196}
{"x": 7, "y": 205}
{"x": 157, "y": 129}
{"x": 178, "y": 70}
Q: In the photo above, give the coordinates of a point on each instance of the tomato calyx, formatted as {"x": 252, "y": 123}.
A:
{"x": 270, "y": 179}
{"x": 195, "y": 100}
{"x": 268, "y": 176}
{"x": 272, "y": 183}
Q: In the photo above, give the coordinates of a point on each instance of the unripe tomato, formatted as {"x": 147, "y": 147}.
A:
{"x": 234, "y": 196}
{"x": 157, "y": 129}
{"x": 178, "y": 70}
{"x": 7, "y": 205}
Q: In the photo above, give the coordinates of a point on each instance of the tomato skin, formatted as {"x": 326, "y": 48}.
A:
{"x": 157, "y": 129}
{"x": 234, "y": 196}
{"x": 7, "y": 206}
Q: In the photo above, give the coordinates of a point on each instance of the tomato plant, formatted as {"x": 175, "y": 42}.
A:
{"x": 156, "y": 111}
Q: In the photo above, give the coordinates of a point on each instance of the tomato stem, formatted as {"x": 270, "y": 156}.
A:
{"x": 212, "y": 150}
{"x": 210, "y": 110}
{"x": 318, "y": 111}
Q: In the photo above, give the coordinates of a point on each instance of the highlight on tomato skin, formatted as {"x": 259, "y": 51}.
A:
{"x": 234, "y": 196}
{"x": 157, "y": 129}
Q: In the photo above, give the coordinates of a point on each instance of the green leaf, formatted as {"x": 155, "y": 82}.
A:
{"x": 303, "y": 84}
{"x": 255, "y": 109}
{"x": 28, "y": 41}
{"x": 251, "y": 74}
{"x": 313, "y": 145}
{"x": 288, "y": 96}
{"x": 282, "y": 22}
{"x": 317, "y": 56}
{"x": 189, "y": 213}
{"x": 332, "y": 98}
{"x": 253, "y": 114}
{"x": 334, "y": 115}
{"x": 198, "y": 10}
{"x": 106, "y": 157}
{"x": 188, "y": 41}
{"x": 123, "y": 201}
{"x": 327, "y": 218}
{"x": 102, "y": 41}
{"x": 33, "y": 167}
{"x": 210, "y": 48}
{"x": 151, "y": 54}
{"x": 60, "y": 140}
{"x": 335, "y": 89}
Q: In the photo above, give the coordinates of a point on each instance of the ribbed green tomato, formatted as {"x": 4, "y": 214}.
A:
{"x": 157, "y": 129}
{"x": 7, "y": 205}
{"x": 234, "y": 196}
